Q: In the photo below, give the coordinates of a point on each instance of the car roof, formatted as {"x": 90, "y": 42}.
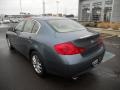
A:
{"x": 48, "y": 18}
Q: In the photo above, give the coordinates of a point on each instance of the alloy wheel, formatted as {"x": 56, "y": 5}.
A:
{"x": 37, "y": 64}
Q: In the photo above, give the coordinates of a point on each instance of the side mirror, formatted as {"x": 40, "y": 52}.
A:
{"x": 11, "y": 29}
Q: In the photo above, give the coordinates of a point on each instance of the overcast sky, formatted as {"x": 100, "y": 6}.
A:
{"x": 35, "y": 6}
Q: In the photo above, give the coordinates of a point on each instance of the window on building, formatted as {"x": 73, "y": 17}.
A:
{"x": 96, "y": 14}
{"x": 96, "y": 11}
{"x": 108, "y": 2}
{"x": 86, "y": 12}
{"x": 107, "y": 13}
{"x": 86, "y": 6}
{"x": 97, "y": 4}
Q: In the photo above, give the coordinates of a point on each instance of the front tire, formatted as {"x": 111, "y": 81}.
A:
{"x": 9, "y": 44}
{"x": 37, "y": 64}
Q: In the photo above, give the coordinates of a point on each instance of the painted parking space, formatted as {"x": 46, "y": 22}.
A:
{"x": 108, "y": 56}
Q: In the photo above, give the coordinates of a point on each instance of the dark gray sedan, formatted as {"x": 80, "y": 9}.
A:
{"x": 56, "y": 45}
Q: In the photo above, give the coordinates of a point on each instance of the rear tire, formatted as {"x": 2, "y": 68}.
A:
{"x": 38, "y": 64}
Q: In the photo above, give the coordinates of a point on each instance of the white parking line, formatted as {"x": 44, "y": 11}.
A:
{"x": 108, "y": 56}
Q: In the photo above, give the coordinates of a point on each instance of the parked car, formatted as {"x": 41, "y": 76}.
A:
{"x": 57, "y": 45}
{"x": 6, "y": 21}
{"x": 14, "y": 21}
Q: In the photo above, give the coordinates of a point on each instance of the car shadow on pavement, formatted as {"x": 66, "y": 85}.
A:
{"x": 83, "y": 79}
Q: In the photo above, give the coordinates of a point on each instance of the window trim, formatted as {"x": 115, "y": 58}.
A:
{"x": 38, "y": 27}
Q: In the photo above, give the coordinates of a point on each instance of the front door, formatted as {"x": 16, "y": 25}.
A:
{"x": 25, "y": 37}
{"x": 17, "y": 33}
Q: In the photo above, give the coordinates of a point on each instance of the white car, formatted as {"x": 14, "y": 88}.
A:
{"x": 6, "y": 21}
{"x": 14, "y": 20}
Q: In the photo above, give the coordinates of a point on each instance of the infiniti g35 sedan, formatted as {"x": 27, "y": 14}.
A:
{"x": 56, "y": 45}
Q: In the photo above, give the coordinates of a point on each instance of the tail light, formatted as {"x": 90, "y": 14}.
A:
{"x": 68, "y": 49}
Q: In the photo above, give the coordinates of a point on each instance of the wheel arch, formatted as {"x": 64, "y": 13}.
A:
{"x": 30, "y": 52}
{"x": 34, "y": 50}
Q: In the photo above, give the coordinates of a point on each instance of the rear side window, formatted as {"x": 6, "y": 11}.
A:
{"x": 28, "y": 26}
{"x": 65, "y": 25}
{"x": 20, "y": 26}
{"x": 35, "y": 27}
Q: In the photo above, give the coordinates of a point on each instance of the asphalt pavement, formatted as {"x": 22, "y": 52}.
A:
{"x": 16, "y": 72}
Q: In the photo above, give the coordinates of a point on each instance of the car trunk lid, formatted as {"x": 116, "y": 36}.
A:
{"x": 84, "y": 38}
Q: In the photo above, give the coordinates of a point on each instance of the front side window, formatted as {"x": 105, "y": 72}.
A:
{"x": 65, "y": 25}
{"x": 20, "y": 26}
{"x": 28, "y": 26}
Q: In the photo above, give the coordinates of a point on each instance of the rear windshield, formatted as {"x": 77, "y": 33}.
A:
{"x": 65, "y": 25}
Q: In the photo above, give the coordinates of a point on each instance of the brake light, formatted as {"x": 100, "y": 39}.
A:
{"x": 68, "y": 49}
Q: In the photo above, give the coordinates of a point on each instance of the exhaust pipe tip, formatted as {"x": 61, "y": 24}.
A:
{"x": 75, "y": 78}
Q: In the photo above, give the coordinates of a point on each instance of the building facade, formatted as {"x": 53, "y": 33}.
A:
{"x": 99, "y": 10}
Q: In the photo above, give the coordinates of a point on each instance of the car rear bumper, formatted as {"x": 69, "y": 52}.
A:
{"x": 80, "y": 68}
{"x": 73, "y": 66}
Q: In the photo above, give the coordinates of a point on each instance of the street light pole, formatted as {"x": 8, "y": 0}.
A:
{"x": 43, "y": 7}
{"x": 20, "y": 6}
{"x": 57, "y": 2}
